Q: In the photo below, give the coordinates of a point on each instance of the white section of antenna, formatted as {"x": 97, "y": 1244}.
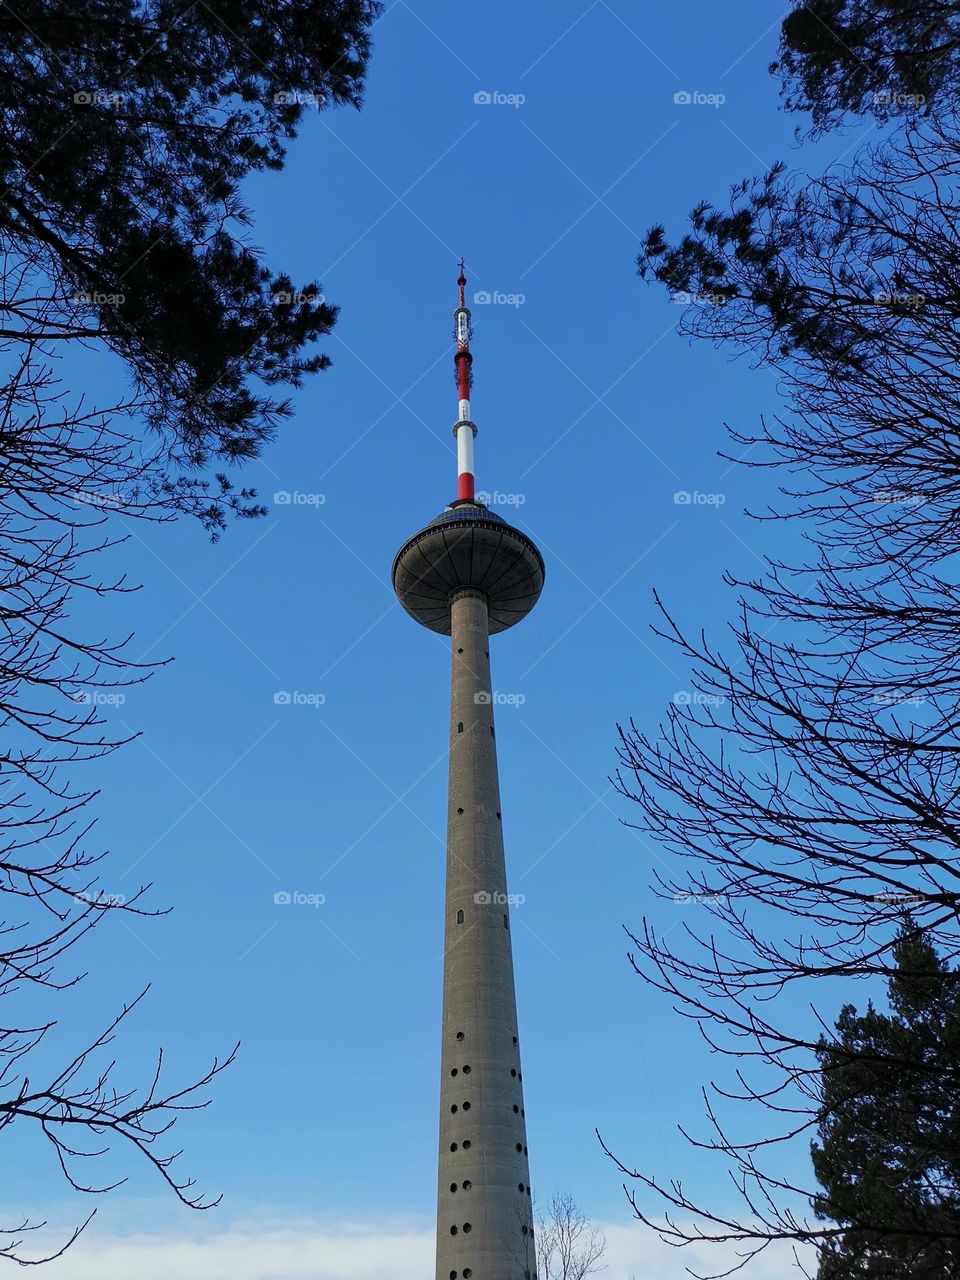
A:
{"x": 464, "y": 411}
{"x": 465, "y": 446}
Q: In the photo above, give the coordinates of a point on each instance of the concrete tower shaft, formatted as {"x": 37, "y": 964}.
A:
{"x": 484, "y": 1212}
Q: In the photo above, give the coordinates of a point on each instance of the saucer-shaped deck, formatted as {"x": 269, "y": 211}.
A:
{"x": 468, "y": 546}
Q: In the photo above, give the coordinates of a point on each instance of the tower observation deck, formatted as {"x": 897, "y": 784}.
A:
{"x": 469, "y": 574}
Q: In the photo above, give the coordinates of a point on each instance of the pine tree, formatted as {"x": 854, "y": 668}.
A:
{"x": 888, "y": 1158}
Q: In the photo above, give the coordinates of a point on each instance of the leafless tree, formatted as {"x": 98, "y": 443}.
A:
{"x": 808, "y": 794}
{"x": 125, "y": 133}
{"x": 569, "y": 1246}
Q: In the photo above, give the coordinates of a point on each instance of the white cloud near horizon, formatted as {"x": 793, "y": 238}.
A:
{"x": 300, "y": 1250}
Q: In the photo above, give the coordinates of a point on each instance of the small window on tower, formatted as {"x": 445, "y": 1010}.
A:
{"x": 505, "y": 924}
{"x": 460, "y": 921}
{"x": 460, "y": 727}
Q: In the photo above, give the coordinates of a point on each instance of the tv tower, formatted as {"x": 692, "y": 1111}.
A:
{"x": 468, "y": 575}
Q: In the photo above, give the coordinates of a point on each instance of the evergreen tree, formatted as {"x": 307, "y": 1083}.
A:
{"x": 125, "y": 132}
{"x": 888, "y": 1158}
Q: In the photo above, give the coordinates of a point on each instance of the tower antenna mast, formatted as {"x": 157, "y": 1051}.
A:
{"x": 464, "y": 429}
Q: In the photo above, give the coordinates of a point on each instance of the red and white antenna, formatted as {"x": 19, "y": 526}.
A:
{"x": 464, "y": 429}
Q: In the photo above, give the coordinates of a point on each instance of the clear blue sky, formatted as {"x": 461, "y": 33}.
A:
{"x": 595, "y": 413}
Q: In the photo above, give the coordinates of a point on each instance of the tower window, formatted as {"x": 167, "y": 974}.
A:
{"x": 466, "y": 1106}
{"x": 459, "y": 1035}
{"x": 467, "y": 1185}
{"x": 460, "y": 921}
{"x": 459, "y": 811}
{"x": 453, "y": 1071}
{"x": 519, "y": 1146}
{"x": 453, "y": 1231}
{"x": 513, "y": 1071}
{"x": 466, "y": 1145}
{"x": 514, "y": 1039}
{"x": 460, "y": 727}
{"x": 516, "y": 1109}
{"x": 505, "y": 924}
{"x": 467, "y": 1227}
{"x": 453, "y": 1146}
{"x": 466, "y": 1068}
{"x": 453, "y": 1186}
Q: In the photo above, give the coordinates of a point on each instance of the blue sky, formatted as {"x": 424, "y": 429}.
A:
{"x": 593, "y": 415}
